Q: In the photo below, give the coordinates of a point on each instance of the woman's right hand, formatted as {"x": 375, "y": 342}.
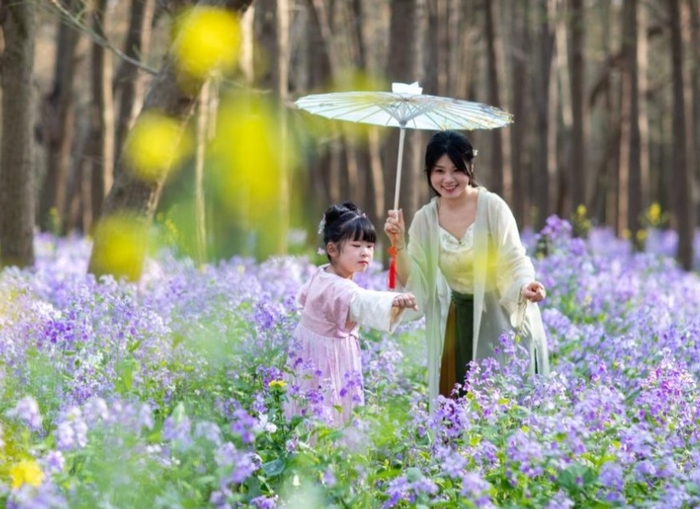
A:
{"x": 395, "y": 228}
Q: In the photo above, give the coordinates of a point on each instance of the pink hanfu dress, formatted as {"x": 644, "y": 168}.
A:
{"x": 325, "y": 355}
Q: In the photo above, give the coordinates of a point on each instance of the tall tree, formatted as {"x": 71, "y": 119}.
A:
{"x": 58, "y": 122}
{"x": 545, "y": 93}
{"x": 16, "y": 155}
{"x": 502, "y": 182}
{"x": 134, "y": 196}
{"x": 577, "y": 162}
{"x": 682, "y": 202}
{"x": 128, "y": 87}
{"x": 630, "y": 139}
{"x": 101, "y": 143}
{"x": 694, "y": 9}
{"x": 520, "y": 50}
{"x": 403, "y": 64}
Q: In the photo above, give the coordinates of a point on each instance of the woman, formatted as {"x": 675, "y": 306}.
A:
{"x": 467, "y": 267}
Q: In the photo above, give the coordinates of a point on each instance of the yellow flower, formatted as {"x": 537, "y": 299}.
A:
{"x": 156, "y": 144}
{"x": 124, "y": 244}
{"x": 207, "y": 39}
{"x": 26, "y": 472}
{"x": 280, "y": 384}
{"x": 581, "y": 211}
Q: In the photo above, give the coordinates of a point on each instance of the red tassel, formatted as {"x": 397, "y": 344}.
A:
{"x": 392, "y": 267}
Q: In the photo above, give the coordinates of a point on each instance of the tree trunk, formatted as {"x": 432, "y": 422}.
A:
{"x": 502, "y": 182}
{"x": 563, "y": 201}
{"x": 694, "y": 10}
{"x": 101, "y": 145}
{"x": 631, "y": 100}
{"x": 520, "y": 81}
{"x": 682, "y": 206}
{"x": 128, "y": 83}
{"x": 403, "y": 67}
{"x": 16, "y": 158}
{"x": 544, "y": 88}
{"x": 578, "y": 105}
{"x": 131, "y": 196}
{"x": 643, "y": 115}
{"x": 58, "y": 125}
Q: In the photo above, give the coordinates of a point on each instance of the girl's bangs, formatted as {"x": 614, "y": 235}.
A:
{"x": 362, "y": 229}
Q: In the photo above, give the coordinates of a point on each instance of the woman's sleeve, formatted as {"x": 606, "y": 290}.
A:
{"x": 514, "y": 267}
{"x": 372, "y": 308}
{"x": 417, "y": 283}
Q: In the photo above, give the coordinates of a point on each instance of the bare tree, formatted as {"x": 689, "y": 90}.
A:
{"x": 502, "y": 182}
{"x": 630, "y": 139}
{"x": 128, "y": 87}
{"x": 694, "y": 9}
{"x": 16, "y": 160}
{"x": 520, "y": 83}
{"x": 544, "y": 91}
{"x": 682, "y": 203}
{"x": 403, "y": 67}
{"x": 58, "y": 122}
{"x": 577, "y": 164}
{"x": 101, "y": 145}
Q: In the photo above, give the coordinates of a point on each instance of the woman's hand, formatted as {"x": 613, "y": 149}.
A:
{"x": 404, "y": 301}
{"x": 395, "y": 228}
{"x": 534, "y": 292}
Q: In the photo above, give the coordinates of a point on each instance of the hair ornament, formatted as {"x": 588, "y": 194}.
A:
{"x": 322, "y": 225}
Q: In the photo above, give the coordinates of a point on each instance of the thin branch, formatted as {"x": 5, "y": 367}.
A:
{"x": 75, "y": 22}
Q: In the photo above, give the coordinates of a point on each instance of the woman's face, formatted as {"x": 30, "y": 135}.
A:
{"x": 447, "y": 180}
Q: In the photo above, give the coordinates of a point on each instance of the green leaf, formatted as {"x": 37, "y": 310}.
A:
{"x": 274, "y": 468}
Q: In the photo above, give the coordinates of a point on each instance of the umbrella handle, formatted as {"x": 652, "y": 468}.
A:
{"x": 399, "y": 166}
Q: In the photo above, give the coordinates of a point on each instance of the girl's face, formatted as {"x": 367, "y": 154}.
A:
{"x": 350, "y": 257}
{"x": 447, "y": 180}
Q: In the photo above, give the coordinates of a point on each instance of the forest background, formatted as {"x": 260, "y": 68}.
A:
{"x": 107, "y": 132}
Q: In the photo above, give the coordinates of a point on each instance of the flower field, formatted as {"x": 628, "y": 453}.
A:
{"x": 169, "y": 393}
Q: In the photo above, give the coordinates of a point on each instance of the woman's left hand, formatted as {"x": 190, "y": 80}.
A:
{"x": 534, "y": 292}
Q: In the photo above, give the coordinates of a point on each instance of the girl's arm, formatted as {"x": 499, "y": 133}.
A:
{"x": 379, "y": 310}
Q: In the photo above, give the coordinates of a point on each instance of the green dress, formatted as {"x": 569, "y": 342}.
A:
{"x": 456, "y": 262}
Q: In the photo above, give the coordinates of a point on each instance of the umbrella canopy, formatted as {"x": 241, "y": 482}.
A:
{"x": 404, "y": 107}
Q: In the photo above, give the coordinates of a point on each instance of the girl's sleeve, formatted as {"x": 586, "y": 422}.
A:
{"x": 514, "y": 267}
{"x": 372, "y": 308}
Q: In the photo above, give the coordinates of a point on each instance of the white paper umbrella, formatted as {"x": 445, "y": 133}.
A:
{"x": 405, "y": 107}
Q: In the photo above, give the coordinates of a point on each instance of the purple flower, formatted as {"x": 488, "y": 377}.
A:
{"x": 27, "y": 410}
{"x": 264, "y": 502}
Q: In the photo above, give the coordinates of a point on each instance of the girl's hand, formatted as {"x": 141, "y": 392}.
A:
{"x": 395, "y": 228}
{"x": 534, "y": 292}
{"x": 405, "y": 301}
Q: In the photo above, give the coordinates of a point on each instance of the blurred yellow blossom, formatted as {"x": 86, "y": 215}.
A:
{"x": 155, "y": 144}
{"x": 123, "y": 246}
{"x": 279, "y": 384}
{"x": 654, "y": 216}
{"x": 25, "y": 472}
{"x": 250, "y": 158}
{"x": 206, "y": 39}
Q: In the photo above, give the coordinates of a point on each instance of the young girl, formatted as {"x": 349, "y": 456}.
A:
{"x": 325, "y": 355}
